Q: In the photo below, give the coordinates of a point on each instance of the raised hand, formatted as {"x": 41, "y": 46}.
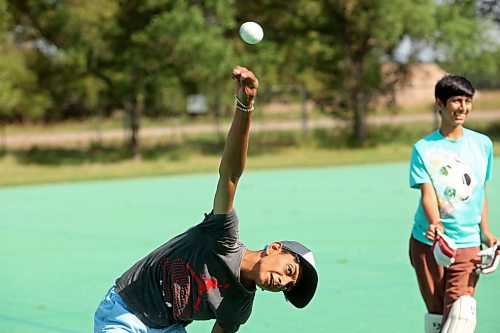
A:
{"x": 245, "y": 86}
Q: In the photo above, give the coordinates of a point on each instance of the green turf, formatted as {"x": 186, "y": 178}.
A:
{"x": 62, "y": 246}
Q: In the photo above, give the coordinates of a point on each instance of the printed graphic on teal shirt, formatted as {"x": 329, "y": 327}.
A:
{"x": 452, "y": 178}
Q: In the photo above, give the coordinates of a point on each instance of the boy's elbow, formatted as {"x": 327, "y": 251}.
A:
{"x": 231, "y": 172}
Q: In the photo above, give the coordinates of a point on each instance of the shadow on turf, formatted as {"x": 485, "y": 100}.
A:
{"x": 108, "y": 153}
{"x": 262, "y": 143}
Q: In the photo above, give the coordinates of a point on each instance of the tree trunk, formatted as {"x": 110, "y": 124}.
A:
{"x": 358, "y": 101}
{"x": 3, "y": 137}
{"x": 134, "y": 110}
{"x": 138, "y": 110}
{"x": 359, "y": 107}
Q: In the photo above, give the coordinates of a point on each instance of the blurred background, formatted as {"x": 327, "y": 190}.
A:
{"x": 124, "y": 88}
{"x": 136, "y": 89}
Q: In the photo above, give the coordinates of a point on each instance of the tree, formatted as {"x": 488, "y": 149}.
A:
{"x": 19, "y": 95}
{"x": 160, "y": 44}
{"x": 339, "y": 48}
{"x": 128, "y": 52}
{"x": 489, "y": 9}
{"x": 59, "y": 41}
{"x": 134, "y": 55}
{"x": 467, "y": 40}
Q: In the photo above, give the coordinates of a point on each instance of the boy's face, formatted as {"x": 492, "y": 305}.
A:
{"x": 276, "y": 270}
{"x": 455, "y": 111}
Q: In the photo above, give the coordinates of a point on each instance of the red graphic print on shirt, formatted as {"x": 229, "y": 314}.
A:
{"x": 178, "y": 295}
{"x": 204, "y": 285}
{"x": 179, "y": 285}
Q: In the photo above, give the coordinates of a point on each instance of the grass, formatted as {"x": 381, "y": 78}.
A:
{"x": 201, "y": 154}
{"x": 15, "y": 173}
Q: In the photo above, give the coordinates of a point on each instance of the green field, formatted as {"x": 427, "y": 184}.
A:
{"x": 63, "y": 245}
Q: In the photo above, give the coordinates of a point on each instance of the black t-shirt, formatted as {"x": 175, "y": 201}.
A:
{"x": 194, "y": 276}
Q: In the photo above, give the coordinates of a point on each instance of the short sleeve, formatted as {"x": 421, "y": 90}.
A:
{"x": 223, "y": 229}
{"x": 418, "y": 172}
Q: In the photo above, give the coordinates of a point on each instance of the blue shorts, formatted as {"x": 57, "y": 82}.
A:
{"x": 113, "y": 316}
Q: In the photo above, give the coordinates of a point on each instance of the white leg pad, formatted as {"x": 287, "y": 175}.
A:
{"x": 462, "y": 317}
{"x": 433, "y": 322}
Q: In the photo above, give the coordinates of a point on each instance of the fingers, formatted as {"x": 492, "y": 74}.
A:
{"x": 245, "y": 76}
{"x": 490, "y": 258}
{"x": 431, "y": 231}
{"x": 236, "y": 72}
{"x": 246, "y": 84}
{"x": 430, "y": 235}
{"x": 488, "y": 239}
{"x": 490, "y": 242}
{"x": 490, "y": 266}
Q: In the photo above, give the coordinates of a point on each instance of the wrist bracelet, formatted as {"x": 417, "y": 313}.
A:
{"x": 242, "y": 107}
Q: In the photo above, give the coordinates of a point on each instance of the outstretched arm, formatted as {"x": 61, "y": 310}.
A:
{"x": 235, "y": 150}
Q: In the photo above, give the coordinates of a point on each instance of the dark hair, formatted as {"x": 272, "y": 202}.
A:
{"x": 453, "y": 85}
{"x": 296, "y": 257}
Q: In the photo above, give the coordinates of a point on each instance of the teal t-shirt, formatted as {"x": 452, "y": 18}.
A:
{"x": 458, "y": 170}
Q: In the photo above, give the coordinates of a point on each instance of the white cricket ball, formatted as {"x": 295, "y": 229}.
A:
{"x": 251, "y": 32}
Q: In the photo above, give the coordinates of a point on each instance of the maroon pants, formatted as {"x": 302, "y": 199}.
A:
{"x": 441, "y": 286}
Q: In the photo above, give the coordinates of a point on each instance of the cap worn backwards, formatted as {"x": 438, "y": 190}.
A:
{"x": 303, "y": 291}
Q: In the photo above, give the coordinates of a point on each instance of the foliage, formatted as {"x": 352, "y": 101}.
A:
{"x": 75, "y": 58}
{"x": 467, "y": 43}
{"x": 19, "y": 96}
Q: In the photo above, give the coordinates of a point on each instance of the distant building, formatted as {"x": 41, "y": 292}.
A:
{"x": 418, "y": 89}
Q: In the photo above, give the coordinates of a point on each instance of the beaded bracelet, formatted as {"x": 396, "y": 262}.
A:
{"x": 242, "y": 107}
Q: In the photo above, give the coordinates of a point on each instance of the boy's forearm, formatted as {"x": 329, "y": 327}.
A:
{"x": 235, "y": 150}
{"x": 484, "y": 225}
{"x": 234, "y": 156}
{"x": 430, "y": 204}
{"x": 487, "y": 237}
{"x": 431, "y": 211}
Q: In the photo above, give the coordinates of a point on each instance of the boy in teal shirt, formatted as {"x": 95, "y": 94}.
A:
{"x": 450, "y": 167}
